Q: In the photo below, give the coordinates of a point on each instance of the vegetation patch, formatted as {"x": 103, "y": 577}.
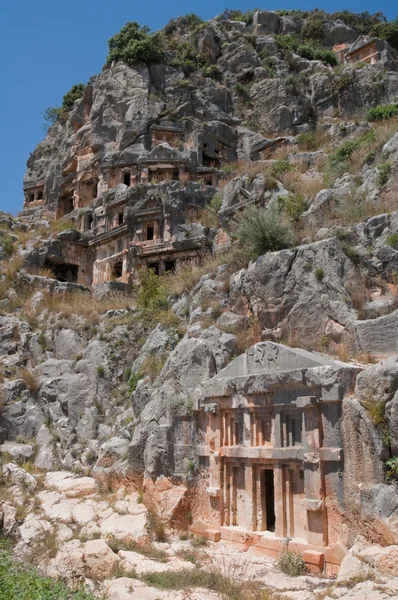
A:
{"x": 382, "y": 112}
{"x": 22, "y": 582}
{"x": 291, "y": 563}
{"x": 263, "y": 231}
{"x": 60, "y": 114}
{"x": 135, "y": 44}
{"x": 392, "y": 240}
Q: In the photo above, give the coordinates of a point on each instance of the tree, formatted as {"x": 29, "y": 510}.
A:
{"x": 58, "y": 114}
{"x": 135, "y": 44}
{"x": 388, "y": 32}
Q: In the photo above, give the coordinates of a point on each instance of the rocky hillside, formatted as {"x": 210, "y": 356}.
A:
{"x": 100, "y": 386}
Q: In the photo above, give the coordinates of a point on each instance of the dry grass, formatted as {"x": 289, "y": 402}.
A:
{"x": 343, "y": 352}
{"x": 153, "y": 365}
{"x": 61, "y": 225}
{"x": 366, "y": 357}
{"x": 360, "y": 296}
{"x": 296, "y": 183}
{"x": 155, "y": 527}
{"x": 251, "y": 169}
{"x": 188, "y": 276}
{"x": 245, "y": 338}
{"x": 30, "y": 379}
{"x": 82, "y": 303}
{"x": 283, "y": 152}
{"x": 208, "y": 218}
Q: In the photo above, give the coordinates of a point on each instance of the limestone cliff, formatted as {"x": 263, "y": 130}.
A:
{"x": 201, "y": 290}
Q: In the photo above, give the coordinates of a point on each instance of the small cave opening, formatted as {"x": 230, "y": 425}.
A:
{"x": 63, "y": 271}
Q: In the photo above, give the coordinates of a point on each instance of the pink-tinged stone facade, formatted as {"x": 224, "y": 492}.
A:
{"x": 269, "y": 424}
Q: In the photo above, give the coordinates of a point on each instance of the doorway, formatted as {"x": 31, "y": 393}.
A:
{"x": 269, "y": 496}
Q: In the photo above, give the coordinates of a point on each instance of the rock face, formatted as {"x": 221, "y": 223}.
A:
{"x": 258, "y": 396}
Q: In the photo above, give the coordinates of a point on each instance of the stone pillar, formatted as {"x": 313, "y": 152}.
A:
{"x": 227, "y": 496}
{"x": 249, "y": 497}
{"x": 276, "y": 434}
{"x": 313, "y": 477}
{"x": 246, "y": 428}
{"x": 280, "y": 502}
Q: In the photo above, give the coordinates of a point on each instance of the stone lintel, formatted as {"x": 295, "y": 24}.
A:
{"x": 211, "y": 407}
{"x": 333, "y": 393}
{"x": 311, "y": 504}
{"x": 306, "y": 401}
{"x": 214, "y": 492}
{"x": 212, "y": 534}
{"x": 331, "y": 454}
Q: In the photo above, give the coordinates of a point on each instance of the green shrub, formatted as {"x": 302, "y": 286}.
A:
{"x": 345, "y": 151}
{"x": 388, "y": 32}
{"x": 287, "y": 43}
{"x": 213, "y": 72}
{"x": 308, "y": 140}
{"x": 189, "y": 21}
{"x": 382, "y": 112}
{"x": 75, "y": 93}
{"x": 392, "y": 468}
{"x": 291, "y": 563}
{"x": 215, "y": 202}
{"x": 263, "y": 231}
{"x": 7, "y": 245}
{"x": 133, "y": 382}
{"x": 60, "y": 114}
{"x": 313, "y": 53}
{"x": 383, "y": 173}
{"x": 242, "y": 91}
{"x": 343, "y": 82}
{"x": 19, "y": 581}
{"x": 135, "y": 44}
{"x": 237, "y": 15}
{"x": 100, "y": 371}
{"x": 392, "y": 240}
{"x": 153, "y": 294}
{"x": 280, "y": 167}
{"x": 186, "y": 57}
{"x": 319, "y": 274}
{"x": 293, "y": 205}
{"x": 314, "y": 26}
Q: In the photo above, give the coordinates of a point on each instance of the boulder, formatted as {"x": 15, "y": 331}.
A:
{"x": 265, "y": 22}
{"x": 100, "y": 561}
{"x": 18, "y": 452}
{"x": 351, "y": 568}
{"x": 19, "y": 477}
{"x": 125, "y": 527}
{"x": 76, "y": 488}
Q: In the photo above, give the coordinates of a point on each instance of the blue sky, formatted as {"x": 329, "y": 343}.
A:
{"x": 46, "y": 46}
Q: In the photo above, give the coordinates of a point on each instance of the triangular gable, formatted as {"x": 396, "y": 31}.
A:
{"x": 268, "y": 357}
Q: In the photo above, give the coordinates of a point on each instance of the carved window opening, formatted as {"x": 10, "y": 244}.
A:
{"x": 31, "y": 197}
{"x": 291, "y": 429}
{"x": 67, "y": 205}
{"x": 169, "y": 266}
{"x": 150, "y": 231}
{"x": 117, "y": 269}
{"x": 40, "y": 195}
{"x": 127, "y": 179}
{"x": 120, "y": 219}
{"x": 88, "y": 222}
{"x": 155, "y": 267}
